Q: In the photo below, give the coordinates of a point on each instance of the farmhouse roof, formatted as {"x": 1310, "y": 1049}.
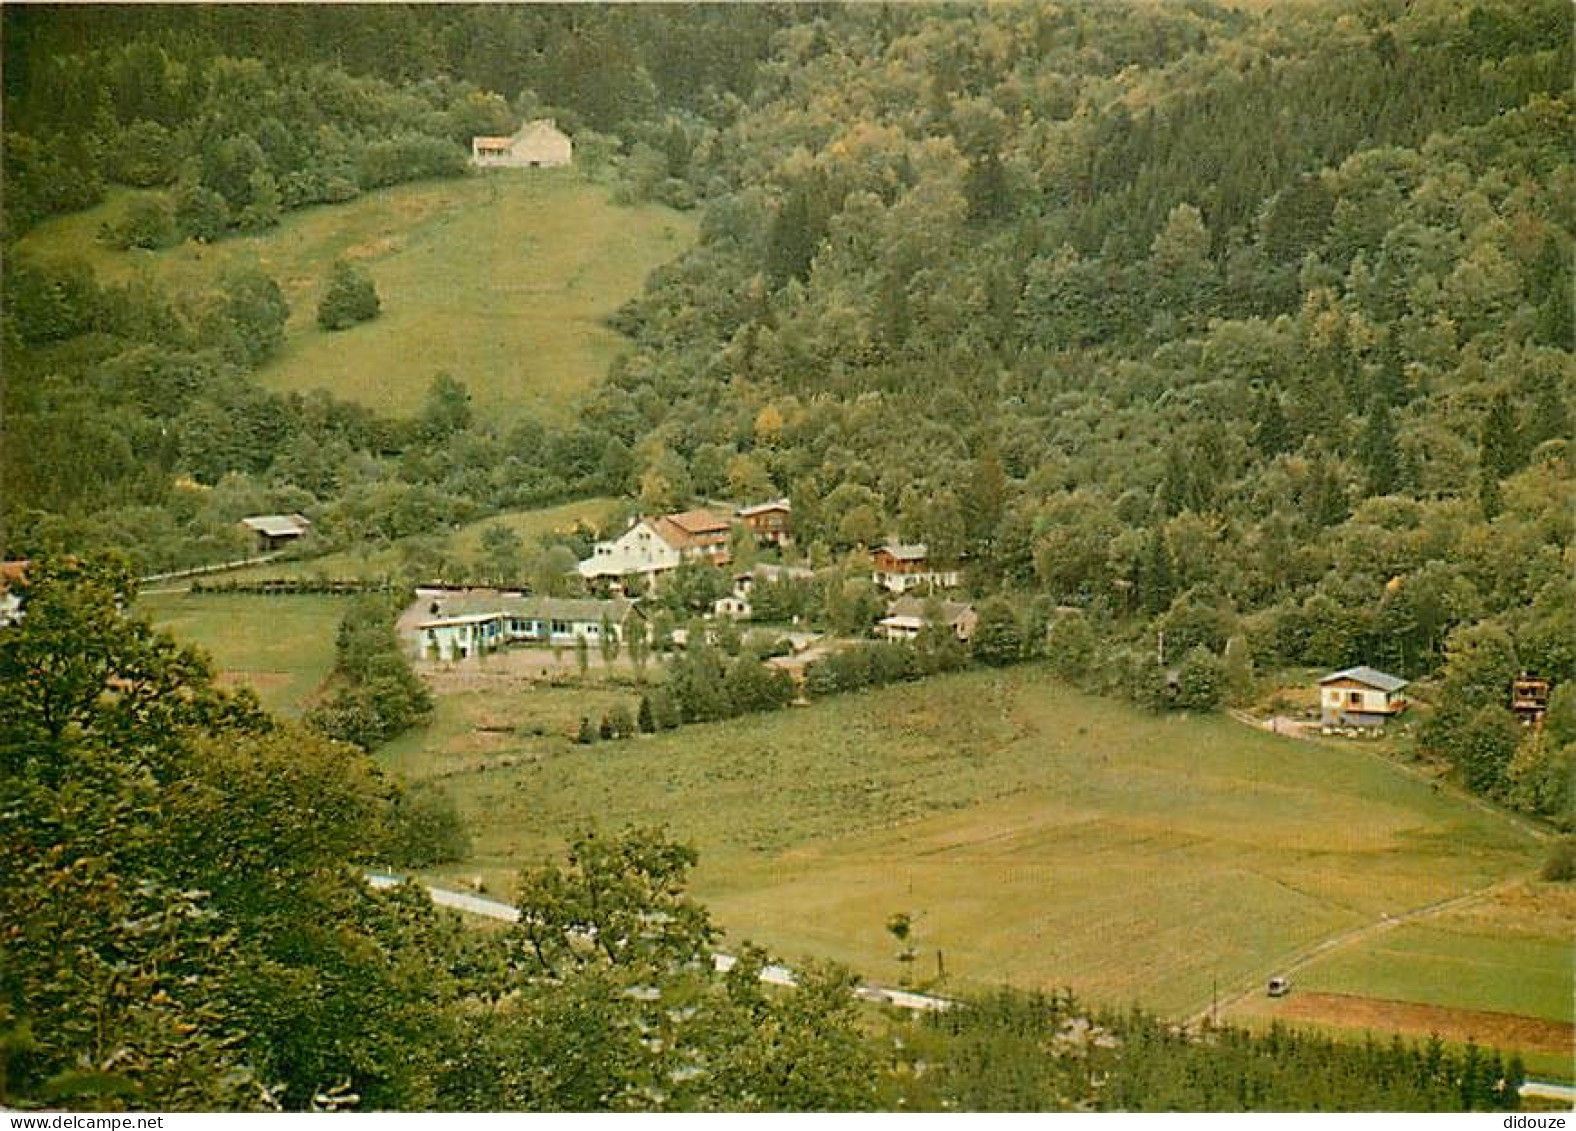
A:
{"x": 1372, "y": 677}
{"x": 277, "y": 525}
{"x": 493, "y": 142}
{"x": 763, "y": 508}
{"x": 462, "y": 608}
{"x": 684, "y": 529}
{"x": 913, "y": 608}
{"x": 700, "y": 521}
{"x": 906, "y": 552}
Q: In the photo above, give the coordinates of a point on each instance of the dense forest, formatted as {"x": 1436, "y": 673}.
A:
{"x": 1254, "y": 330}
{"x": 1239, "y": 330}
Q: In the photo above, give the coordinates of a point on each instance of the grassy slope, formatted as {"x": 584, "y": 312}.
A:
{"x": 1043, "y": 837}
{"x": 500, "y": 280}
{"x": 282, "y": 647}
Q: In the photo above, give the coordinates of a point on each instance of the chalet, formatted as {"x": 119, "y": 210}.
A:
{"x": 737, "y": 603}
{"x": 1359, "y": 698}
{"x": 769, "y": 522}
{"x": 643, "y": 552}
{"x": 539, "y": 144}
{"x": 698, "y": 535}
{"x": 12, "y": 574}
{"x": 1529, "y": 698}
{"x": 899, "y": 568}
{"x": 273, "y": 531}
{"x": 907, "y": 617}
{"x": 467, "y": 624}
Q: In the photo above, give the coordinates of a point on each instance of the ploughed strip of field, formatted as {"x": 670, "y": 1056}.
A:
{"x": 1501, "y": 1030}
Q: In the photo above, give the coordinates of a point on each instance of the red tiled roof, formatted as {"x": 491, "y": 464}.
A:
{"x": 697, "y": 521}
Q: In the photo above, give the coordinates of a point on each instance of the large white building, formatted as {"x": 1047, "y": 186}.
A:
{"x": 459, "y": 625}
{"x": 641, "y": 552}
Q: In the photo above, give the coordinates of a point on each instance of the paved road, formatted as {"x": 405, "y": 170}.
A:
{"x": 1546, "y": 1091}
{"x": 772, "y": 975}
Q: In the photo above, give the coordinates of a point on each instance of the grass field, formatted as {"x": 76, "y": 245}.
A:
{"x": 281, "y": 647}
{"x": 371, "y": 562}
{"x": 1473, "y": 971}
{"x": 1041, "y": 837}
{"x": 502, "y": 281}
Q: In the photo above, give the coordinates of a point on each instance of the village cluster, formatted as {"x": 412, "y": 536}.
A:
{"x": 622, "y": 572}
{"x": 448, "y": 625}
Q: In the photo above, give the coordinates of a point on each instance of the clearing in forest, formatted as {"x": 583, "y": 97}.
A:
{"x": 501, "y": 280}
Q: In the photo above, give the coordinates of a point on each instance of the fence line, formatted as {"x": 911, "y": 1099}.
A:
{"x": 220, "y": 568}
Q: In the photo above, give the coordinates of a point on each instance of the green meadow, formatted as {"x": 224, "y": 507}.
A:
{"x": 281, "y": 647}
{"x": 502, "y": 280}
{"x": 1039, "y": 836}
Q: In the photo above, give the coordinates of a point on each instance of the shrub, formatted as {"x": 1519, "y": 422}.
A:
{"x": 349, "y": 299}
{"x": 425, "y": 828}
{"x": 1069, "y": 645}
{"x": 998, "y": 640}
{"x": 1560, "y": 867}
{"x": 620, "y": 723}
{"x": 1199, "y": 681}
{"x": 201, "y": 213}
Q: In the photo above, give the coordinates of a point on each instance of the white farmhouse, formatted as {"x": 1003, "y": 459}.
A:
{"x": 640, "y": 552}
{"x": 1360, "y": 698}
{"x": 536, "y": 145}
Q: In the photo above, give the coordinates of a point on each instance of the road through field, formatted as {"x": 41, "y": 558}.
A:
{"x": 1349, "y": 938}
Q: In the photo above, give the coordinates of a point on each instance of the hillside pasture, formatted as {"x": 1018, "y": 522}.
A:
{"x": 502, "y": 280}
{"x": 1039, "y": 836}
{"x": 281, "y": 647}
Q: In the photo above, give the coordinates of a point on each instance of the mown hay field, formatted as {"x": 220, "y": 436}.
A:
{"x": 1040, "y": 836}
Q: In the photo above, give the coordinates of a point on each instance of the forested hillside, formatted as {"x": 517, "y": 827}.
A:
{"x": 1254, "y": 329}
{"x": 1218, "y": 325}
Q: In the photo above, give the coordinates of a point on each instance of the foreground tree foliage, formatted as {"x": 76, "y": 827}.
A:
{"x": 180, "y": 926}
